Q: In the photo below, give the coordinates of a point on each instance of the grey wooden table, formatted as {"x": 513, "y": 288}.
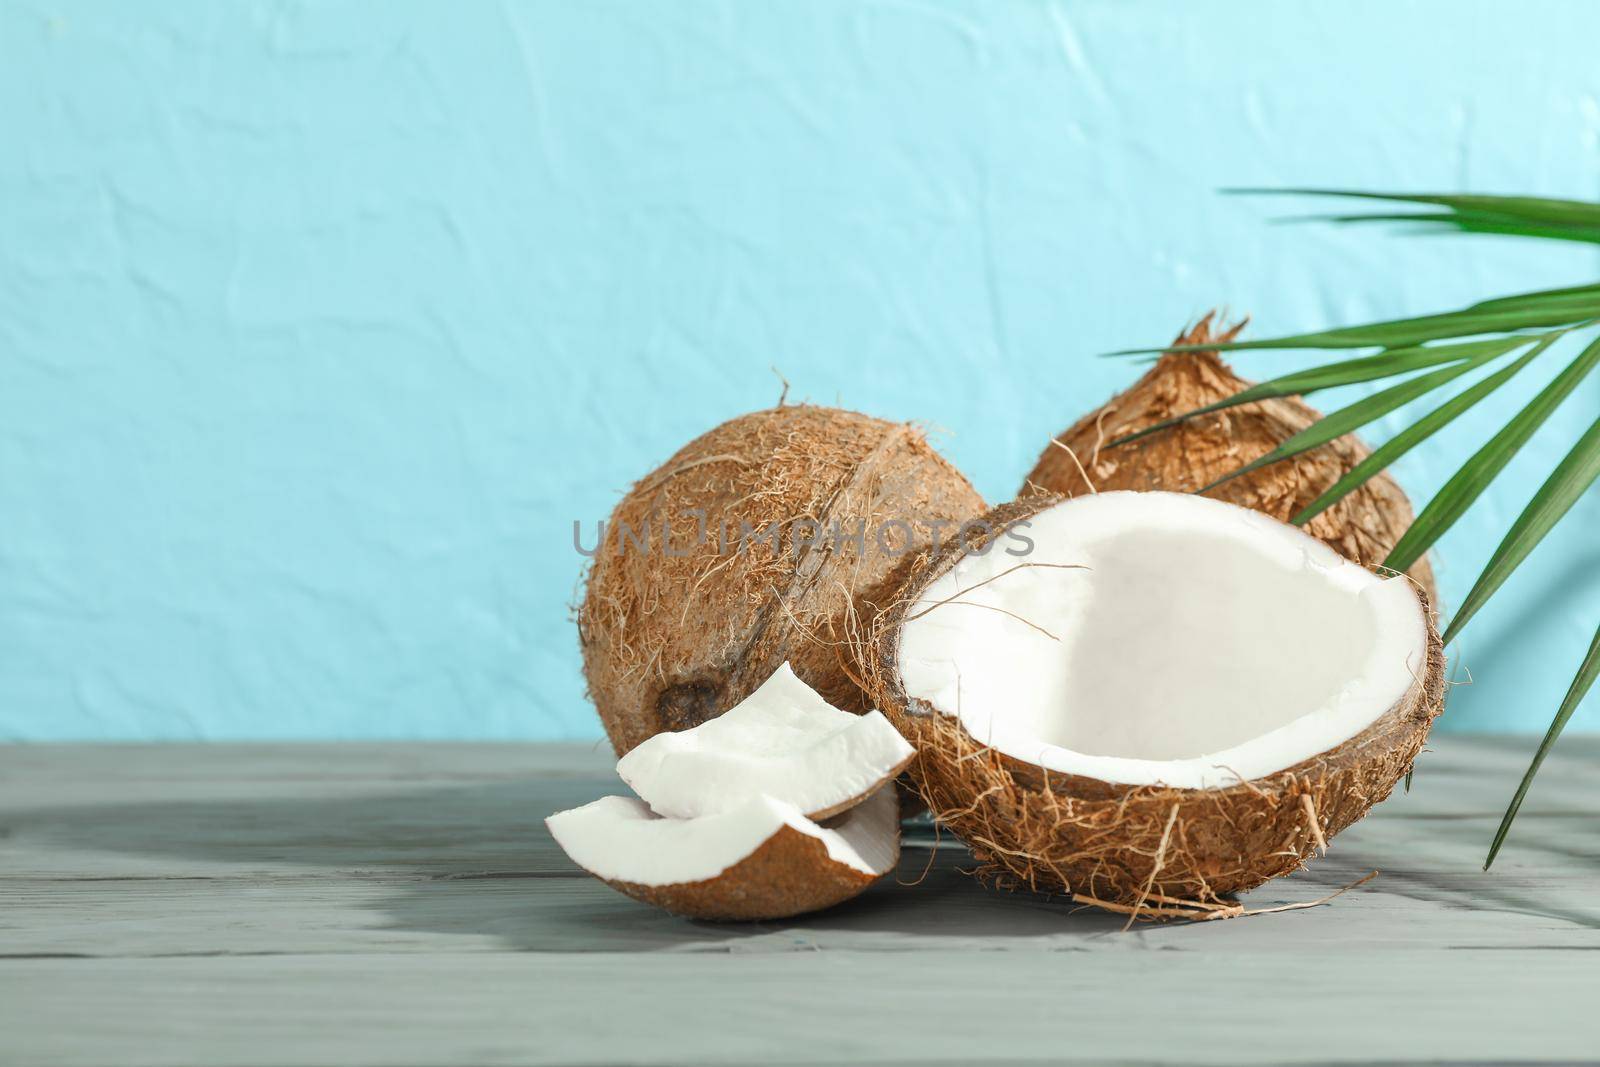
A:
{"x": 402, "y": 904}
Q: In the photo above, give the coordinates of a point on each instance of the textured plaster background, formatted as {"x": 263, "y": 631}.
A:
{"x": 321, "y": 323}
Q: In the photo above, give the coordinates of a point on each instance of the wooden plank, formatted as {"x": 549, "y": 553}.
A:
{"x": 202, "y": 811}
{"x": 403, "y": 904}
{"x": 272, "y": 916}
{"x": 939, "y": 1007}
{"x": 199, "y": 811}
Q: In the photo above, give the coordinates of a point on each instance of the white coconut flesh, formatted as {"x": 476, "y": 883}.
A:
{"x": 621, "y": 839}
{"x": 1203, "y": 644}
{"x": 783, "y": 741}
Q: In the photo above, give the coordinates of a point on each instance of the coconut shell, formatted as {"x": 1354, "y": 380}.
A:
{"x": 1140, "y": 846}
{"x": 673, "y": 638}
{"x": 1364, "y": 526}
{"x": 790, "y": 873}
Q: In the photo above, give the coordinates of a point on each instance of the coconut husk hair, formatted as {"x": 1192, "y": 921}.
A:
{"x": 1364, "y": 526}
{"x": 679, "y": 632}
{"x": 1143, "y": 850}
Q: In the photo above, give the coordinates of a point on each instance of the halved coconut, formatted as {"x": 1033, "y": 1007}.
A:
{"x": 761, "y": 860}
{"x": 1166, "y": 696}
{"x": 783, "y": 741}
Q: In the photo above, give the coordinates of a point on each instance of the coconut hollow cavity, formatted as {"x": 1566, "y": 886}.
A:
{"x": 1169, "y": 699}
{"x": 783, "y": 741}
{"x": 760, "y": 860}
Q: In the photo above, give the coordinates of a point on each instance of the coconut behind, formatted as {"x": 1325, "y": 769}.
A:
{"x": 679, "y": 629}
{"x": 1364, "y": 526}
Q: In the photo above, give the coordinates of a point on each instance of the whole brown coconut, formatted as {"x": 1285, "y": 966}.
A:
{"x": 1364, "y": 526}
{"x": 768, "y": 538}
{"x": 1150, "y": 850}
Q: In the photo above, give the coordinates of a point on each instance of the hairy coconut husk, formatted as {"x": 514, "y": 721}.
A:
{"x": 1152, "y": 849}
{"x": 671, "y": 640}
{"x": 1363, "y": 527}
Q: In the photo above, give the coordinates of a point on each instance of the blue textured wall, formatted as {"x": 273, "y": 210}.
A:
{"x": 320, "y": 323}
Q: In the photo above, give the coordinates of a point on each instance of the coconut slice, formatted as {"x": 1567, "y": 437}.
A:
{"x": 783, "y": 741}
{"x": 761, "y": 860}
{"x": 1167, "y": 694}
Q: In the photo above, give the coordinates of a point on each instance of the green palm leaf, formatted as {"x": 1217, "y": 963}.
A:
{"x": 1532, "y": 208}
{"x": 1385, "y": 364}
{"x": 1472, "y": 222}
{"x": 1573, "y": 295}
{"x": 1545, "y": 308}
{"x": 1353, "y": 417}
{"x": 1468, "y": 483}
{"x": 1567, "y": 309}
{"x": 1581, "y": 683}
{"x": 1415, "y": 434}
{"x": 1522, "y": 216}
{"x": 1571, "y": 478}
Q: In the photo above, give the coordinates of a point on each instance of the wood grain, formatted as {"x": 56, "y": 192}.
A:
{"x": 402, "y": 904}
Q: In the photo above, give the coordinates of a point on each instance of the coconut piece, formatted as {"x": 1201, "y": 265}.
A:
{"x": 760, "y": 860}
{"x": 1168, "y": 697}
{"x": 783, "y": 741}
{"x": 1364, "y": 526}
{"x": 674, "y": 633}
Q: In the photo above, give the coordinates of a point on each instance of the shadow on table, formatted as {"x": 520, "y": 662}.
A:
{"x": 578, "y": 914}
{"x": 477, "y": 860}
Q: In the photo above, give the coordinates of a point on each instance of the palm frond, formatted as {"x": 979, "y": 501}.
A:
{"x": 1482, "y": 332}
{"x": 1570, "y": 480}
{"x": 1354, "y": 416}
{"x": 1474, "y": 476}
{"x": 1413, "y": 435}
{"x": 1468, "y": 222}
{"x": 1525, "y": 311}
{"x": 1581, "y": 683}
{"x": 1385, "y": 364}
{"x": 1514, "y": 216}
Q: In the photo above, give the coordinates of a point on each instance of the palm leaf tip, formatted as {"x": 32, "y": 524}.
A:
{"x": 1202, "y": 336}
{"x": 1513, "y": 216}
{"x": 1588, "y": 670}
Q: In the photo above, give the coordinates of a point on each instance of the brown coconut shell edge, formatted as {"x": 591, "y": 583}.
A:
{"x": 1134, "y": 845}
{"x": 1364, "y": 526}
{"x": 789, "y": 874}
